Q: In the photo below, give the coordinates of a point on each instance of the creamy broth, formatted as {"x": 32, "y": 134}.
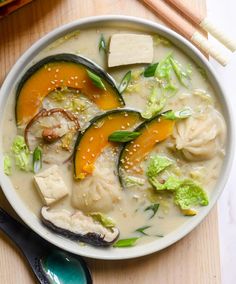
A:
{"x": 129, "y": 213}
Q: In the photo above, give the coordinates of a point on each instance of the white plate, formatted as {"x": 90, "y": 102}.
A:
{"x": 116, "y": 253}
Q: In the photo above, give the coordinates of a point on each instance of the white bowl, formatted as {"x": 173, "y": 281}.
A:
{"x": 116, "y": 253}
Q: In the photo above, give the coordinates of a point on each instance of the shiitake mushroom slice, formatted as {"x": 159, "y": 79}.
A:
{"x": 55, "y": 131}
{"x": 78, "y": 226}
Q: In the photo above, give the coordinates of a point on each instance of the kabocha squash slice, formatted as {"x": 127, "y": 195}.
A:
{"x": 133, "y": 153}
{"x": 94, "y": 139}
{"x": 63, "y": 71}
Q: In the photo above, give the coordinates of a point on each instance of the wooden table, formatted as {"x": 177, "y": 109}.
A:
{"x": 194, "y": 259}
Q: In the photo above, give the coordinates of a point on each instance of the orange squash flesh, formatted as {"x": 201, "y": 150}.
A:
{"x": 152, "y": 132}
{"x": 56, "y": 75}
{"x": 95, "y": 138}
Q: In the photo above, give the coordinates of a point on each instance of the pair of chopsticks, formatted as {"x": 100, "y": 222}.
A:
{"x": 188, "y": 30}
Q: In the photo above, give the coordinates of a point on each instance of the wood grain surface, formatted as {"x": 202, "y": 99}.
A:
{"x": 193, "y": 260}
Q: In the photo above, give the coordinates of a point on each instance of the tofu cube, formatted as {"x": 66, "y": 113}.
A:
{"x": 130, "y": 49}
{"x": 50, "y": 184}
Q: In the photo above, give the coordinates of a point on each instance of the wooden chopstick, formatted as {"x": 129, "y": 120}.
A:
{"x": 184, "y": 27}
{"x": 6, "y": 2}
{"x": 205, "y": 23}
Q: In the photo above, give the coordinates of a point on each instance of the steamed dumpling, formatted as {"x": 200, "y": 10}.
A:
{"x": 202, "y": 137}
{"x": 97, "y": 192}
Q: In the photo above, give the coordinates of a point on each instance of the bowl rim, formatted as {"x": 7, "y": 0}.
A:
{"x": 145, "y": 249}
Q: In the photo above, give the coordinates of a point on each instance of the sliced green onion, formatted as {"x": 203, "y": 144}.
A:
{"x": 102, "y": 44}
{"x": 153, "y": 207}
{"x": 181, "y": 114}
{"x": 142, "y": 229}
{"x": 125, "y": 243}
{"x": 180, "y": 73}
{"x": 125, "y": 82}
{"x": 150, "y": 70}
{"x": 97, "y": 81}
{"x": 37, "y": 159}
{"x": 123, "y": 136}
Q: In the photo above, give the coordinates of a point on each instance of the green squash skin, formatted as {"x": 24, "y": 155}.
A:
{"x": 139, "y": 128}
{"x": 96, "y": 119}
{"x": 71, "y": 58}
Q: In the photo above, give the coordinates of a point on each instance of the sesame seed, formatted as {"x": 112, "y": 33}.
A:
{"x": 122, "y": 127}
{"x": 57, "y": 70}
{"x": 126, "y": 167}
{"x": 93, "y": 155}
{"x": 52, "y": 82}
{"x": 76, "y": 77}
{"x": 91, "y": 139}
{"x": 49, "y": 89}
{"x": 83, "y": 157}
{"x": 68, "y": 81}
{"x": 88, "y": 150}
{"x": 49, "y": 69}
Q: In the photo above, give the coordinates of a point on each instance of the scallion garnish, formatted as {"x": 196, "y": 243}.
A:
{"x": 37, "y": 159}
{"x": 102, "y": 44}
{"x": 125, "y": 82}
{"x": 97, "y": 81}
{"x": 153, "y": 207}
{"x": 181, "y": 114}
{"x": 125, "y": 243}
{"x": 150, "y": 70}
{"x": 180, "y": 73}
{"x": 123, "y": 136}
{"x": 142, "y": 229}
